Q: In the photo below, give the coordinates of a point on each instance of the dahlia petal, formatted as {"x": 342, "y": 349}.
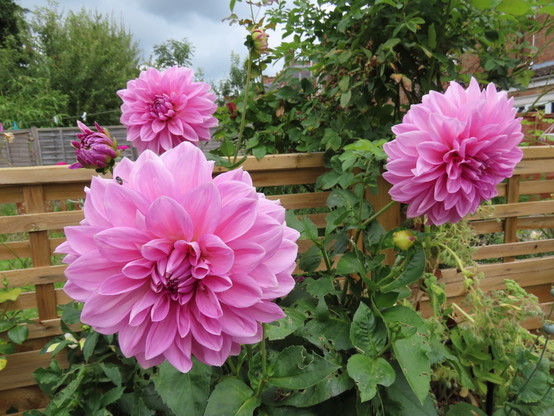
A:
{"x": 121, "y": 244}
{"x": 80, "y": 239}
{"x": 237, "y": 218}
{"x": 160, "y": 336}
{"x": 220, "y": 256}
{"x": 174, "y": 223}
{"x": 118, "y": 284}
{"x": 203, "y": 204}
{"x": 207, "y": 303}
{"x": 244, "y": 292}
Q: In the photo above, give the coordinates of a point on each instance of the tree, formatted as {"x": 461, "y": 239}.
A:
{"x": 233, "y": 84}
{"x": 86, "y": 56}
{"x": 173, "y": 52}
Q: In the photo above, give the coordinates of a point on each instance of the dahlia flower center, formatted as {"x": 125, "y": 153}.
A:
{"x": 162, "y": 107}
{"x": 460, "y": 165}
{"x": 178, "y": 273}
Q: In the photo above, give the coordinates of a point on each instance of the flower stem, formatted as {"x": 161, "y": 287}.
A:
{"x": 457, "y": 259}
{"x": 244, "y": 107}
{"x": 368, "y": 220}
{"x": 263, "y": 353}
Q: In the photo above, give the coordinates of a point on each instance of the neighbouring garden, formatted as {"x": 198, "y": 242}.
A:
{"x": 406, "y": 270}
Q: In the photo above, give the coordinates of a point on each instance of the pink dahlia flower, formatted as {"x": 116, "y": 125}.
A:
{"x": 163, "y": 109}
{"x": 452, "y": 150}
{"x": 178, "y": 263}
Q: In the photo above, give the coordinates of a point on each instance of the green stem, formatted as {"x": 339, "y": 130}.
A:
{"x": 263, "y": 352}
{"x": 244, "y": 107}
{"x": 427, "y": 230}
{"x": 457, "y": 259}
{"x": 368, "y": 220}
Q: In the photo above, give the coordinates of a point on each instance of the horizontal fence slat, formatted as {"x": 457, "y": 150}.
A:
{"x": 40, "y": 222}
{"x": 515, "y": 210}
{"x": 34, "y": 276}
{"x": 514, "y": 249}
{"x": 538, "y": 152}
{"x": 20, "y": 367}
{"x": 61, "y": 191}
{"x": 10, "y": 194}
{"x": 22, "y": 249}
{"x": 296, "y": 201}
{"x": 28, "y": 300}
{"x": 526, "y": 167}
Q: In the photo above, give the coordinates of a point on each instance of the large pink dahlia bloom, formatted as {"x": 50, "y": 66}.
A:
{"x": 452, "y": 150}
{"x": 178, "y": 263}
{"x": 163, "y": 109}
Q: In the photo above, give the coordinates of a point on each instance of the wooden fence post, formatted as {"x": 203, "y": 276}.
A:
{"x": 33, "y": 198}
{"x": 510, "y": 223}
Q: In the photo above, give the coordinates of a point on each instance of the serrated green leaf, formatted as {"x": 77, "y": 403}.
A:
{"x": 329, "y": 334}
{"x": 319, "y": 287}
{"x": 411, "y": 354}
{"x": 112, "y": 396}
{"x": 310, "y": 260}
{"x": 295, "y": 368}
{"x": 184, "y": 393}
{"x": 113, "y": 372}
{"x": 465, "y": 409}
{"x": 368, "y": 372}
{"x": 349, "y": 263}
{"x": 231, "y": 397}
{"x": 285, "y": 326}
{"x": 310, "y": 229}
{"x": 367, "y": 332}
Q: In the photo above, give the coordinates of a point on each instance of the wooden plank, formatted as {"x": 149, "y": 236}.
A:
{"x": 11, "y": 194}
{"x": 40, "y": 222}
{"x": 288, "y": 177}
{"x": 20, "y": 367}
{"x": 33, "y": 198}
{"x": 537, "y": 187}
{"x": 62, "y": 191}
{"x": 391, "y": 218}
{"x": 526, "y": 167}
{"x": 538, "y": 152}
{"x": 48, "y": 328}
{"x": 514, "y": 249}
{"x": 34, "y": 276}
{"x": 27, "y": 300}
{"x": 289, "y": 161}
{"x": 307, "y": 200}
{"x": 535, "y": 223}
{"x": 510, "y": 224}
{"x": 515, "y": 210}
{"x": 22, "y": 249}
{"x": 23, "y": 399}
{"x": 487, "y": 227}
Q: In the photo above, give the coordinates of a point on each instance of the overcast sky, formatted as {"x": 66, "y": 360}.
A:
{"x": 154, "y": 21}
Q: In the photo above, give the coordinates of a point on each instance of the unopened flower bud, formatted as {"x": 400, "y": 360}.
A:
{"x": 403, "y": 239}
{"x": 95, "y": 149}
{"x": 259, "y": 37}
{"x": 548, "y": 328}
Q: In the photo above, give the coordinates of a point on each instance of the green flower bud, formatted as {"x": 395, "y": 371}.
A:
{"x": 259, "y": 37}
{"x": 403, "y": 239}
{"x": 548, "y": 328}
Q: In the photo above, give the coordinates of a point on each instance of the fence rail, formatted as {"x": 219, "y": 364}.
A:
{"x": 32, "y": 235}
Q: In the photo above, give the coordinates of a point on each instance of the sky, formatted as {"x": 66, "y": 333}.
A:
{"x": 153, "y": 22}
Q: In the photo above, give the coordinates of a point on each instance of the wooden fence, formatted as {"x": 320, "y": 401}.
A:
{"x": 34, "y": 233}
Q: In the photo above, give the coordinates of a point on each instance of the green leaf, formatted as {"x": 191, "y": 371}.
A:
{"x": 344, "y": 83}
{"x": 310, "y": 260}
{"x": 411, "y": 272}
{"x": 404, "y": 315}
{"x": 18, "y": 334}
{"x": 11, "y": 294}
{"x": 331, "y": 386}
{"x": 411, "y": 354}
{"x": 184, "y": 393}
{"x": 6, "y": 325}
{"x": 232, "y": 5}
{"x": 349, "y": 263}
{"x": 329, "y": 334}
{"x": 368, "y": 372}
{"x": 514, "y": 7}
{"x": 70, "y": 313}
{"x": 310, "y": 229}
{"x": 547, "y": 10}
{"x": 320, "y": 287}
{"x": 112, "y": 371}
{"x": 90, "y": 343}
{"x": 464, "y": 409}
{"x": 285, "y": 326}
{"x": 403, "y": 395}
{"x": 112, "y": 396}
{"x": 345, "y": 98}
{"x": 294, "y": 368}
{"x": 331, "y": 139}
{"x": 231, "y": 397}
{"x": 432, "y": 36}
{"x": 367, "y": 332}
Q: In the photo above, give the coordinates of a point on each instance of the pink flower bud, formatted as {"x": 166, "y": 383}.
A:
{"x": 403, "y": 239}
{"x": 259, "y": 37}
{"x": 95, "y": 149}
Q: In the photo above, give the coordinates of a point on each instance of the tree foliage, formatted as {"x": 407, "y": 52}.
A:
{"x": 173, "y": 52}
